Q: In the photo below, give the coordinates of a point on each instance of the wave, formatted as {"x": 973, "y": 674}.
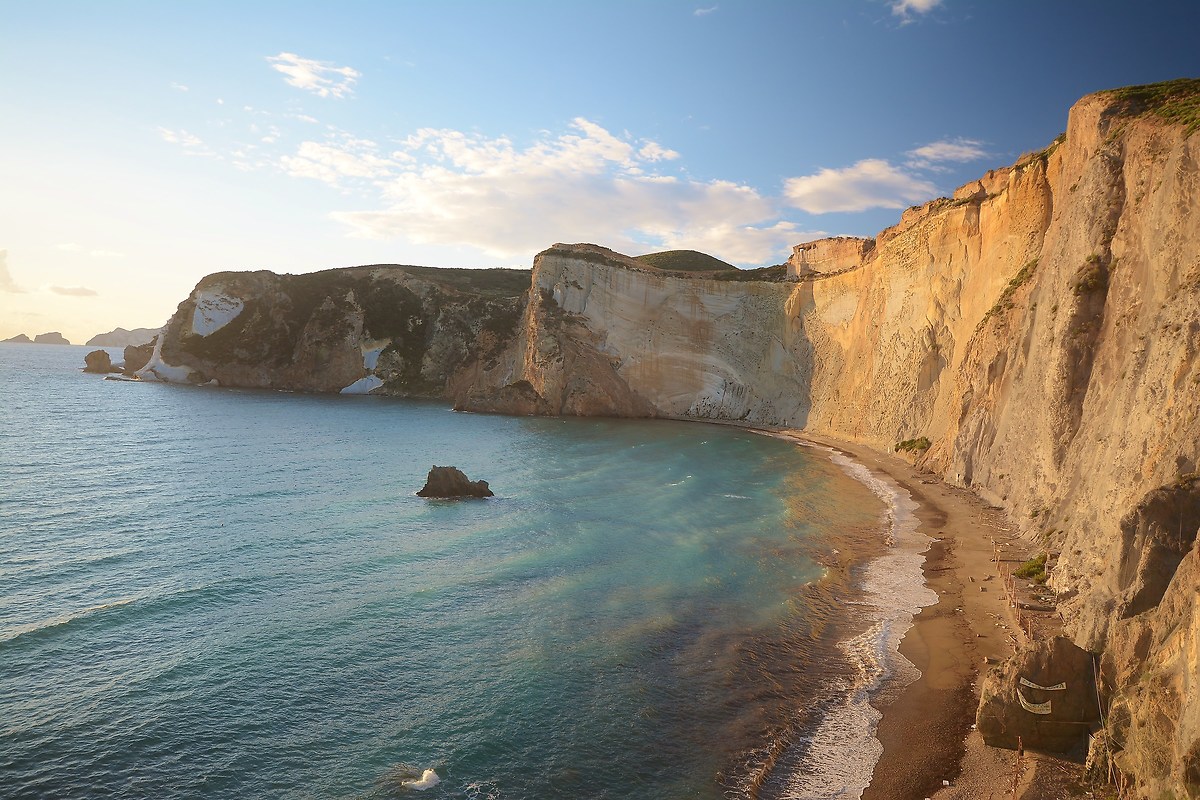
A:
{"x": 837, "y": 758}
{"x": 429, "y": 778}
{"x": 63, "y": 619}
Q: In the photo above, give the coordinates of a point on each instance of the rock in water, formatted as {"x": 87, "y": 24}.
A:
{"x": 98, "y": 361}
{"x": 137, "y": 356}
{"x": 53, "y": 337}
{"x": 451, "y": 482}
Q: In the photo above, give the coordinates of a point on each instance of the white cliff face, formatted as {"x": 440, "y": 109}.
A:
{"x": 691, "y": 347}
{"x": 214, "y": 310}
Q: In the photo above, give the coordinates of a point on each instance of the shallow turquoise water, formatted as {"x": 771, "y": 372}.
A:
{"x": 221, "y": 593}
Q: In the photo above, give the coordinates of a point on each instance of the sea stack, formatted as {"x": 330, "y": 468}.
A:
{"x": 451, "y": 482}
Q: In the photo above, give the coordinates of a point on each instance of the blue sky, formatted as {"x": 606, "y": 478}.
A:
{"x": 149, "y": 144}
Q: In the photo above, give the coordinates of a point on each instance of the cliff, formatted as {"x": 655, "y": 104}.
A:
{"x": 396, "y": 330}
{"x": 1040, "y": 328}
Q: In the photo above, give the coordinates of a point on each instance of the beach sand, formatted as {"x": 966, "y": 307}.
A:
{"x": 927, "y": 730}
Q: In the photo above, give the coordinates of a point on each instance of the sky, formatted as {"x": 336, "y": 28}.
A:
{"x": 148, "y": 144}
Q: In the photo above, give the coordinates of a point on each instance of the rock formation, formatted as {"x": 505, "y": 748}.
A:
{"x": 119, "y": 337}
{"x": 20, "y": 338}
{"x": 54, "y": 337}
{"x": 137, "y": 357}
{"x": 98, "y": 361}
{"x": 1041, "y": 328}
{"x": 449, "y": 482}
{"x": 1043, "y": 699}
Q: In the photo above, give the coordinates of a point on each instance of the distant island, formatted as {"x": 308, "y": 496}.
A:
{"x": 53, "y": 337}
{"x": 119, "y": 337}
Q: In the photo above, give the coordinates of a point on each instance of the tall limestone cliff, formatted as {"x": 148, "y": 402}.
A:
{"x": 1041, "y": 328}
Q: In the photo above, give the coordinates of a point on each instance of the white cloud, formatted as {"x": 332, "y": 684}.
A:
{"x": 956, "y": 150}
{"x": 7, "y": 284}
{"x": 192, "y": 145}
{"x": 319, "y": 77}
{"x": 653, "y": 151}
{"x": 453, "y": 188}
{"x": 907, "y": 8}
{"x": 179, "y": 87}
{"x": 871, "y": 183}
{"x": 704, "y": 12}
{"x": 332, "y": 162}
{"x": 74, "y": 291}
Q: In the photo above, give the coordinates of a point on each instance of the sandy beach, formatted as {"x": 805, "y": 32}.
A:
{"x": 930, "y": 747}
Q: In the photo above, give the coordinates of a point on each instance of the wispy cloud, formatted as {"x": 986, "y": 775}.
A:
{"x": 953, "y": 150}
{"x": 7, "y": 284}
{"x": 332, "y": 162}
{"x": 908, "y": 9}
{"x": 179, "y": 87}
{"x": 192, "y": 145}
{"x": 74, "y": 291}
{"x": 319, "y": 77}
{"x": 871, "y": 183}
{"x": 454, "y": 188}
{"x": 704, "y": 12}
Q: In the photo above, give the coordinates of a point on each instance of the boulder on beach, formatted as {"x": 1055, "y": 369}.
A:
{"x": 98, "y": 361}
{"x": 451, "y": 482}
{"x": 1043, "y": 698}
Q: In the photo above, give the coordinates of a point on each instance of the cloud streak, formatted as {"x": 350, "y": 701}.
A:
{"x": 948, "y": 150}
{"x": 870, "y": 183}
{"x": 74, "y": 291}
{"x": 906, "y": 9}
{"x": 319, "y": 77}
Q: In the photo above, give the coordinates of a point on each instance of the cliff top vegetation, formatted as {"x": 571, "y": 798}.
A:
{"x": 684, "y": 261}
{"x": 1176, "y": 101}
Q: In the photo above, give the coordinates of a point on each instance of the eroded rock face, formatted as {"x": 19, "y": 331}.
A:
{"x": 98, "y": 361}
{"x": 1151, "y": 668}
{"x": 1043, "y": 698}
{"x": 447, "y": 482}
{"x": 410, "y": 330}
{"x": 137, "y": 357}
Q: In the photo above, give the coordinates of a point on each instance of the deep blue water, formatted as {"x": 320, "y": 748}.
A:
{"x": 223, "y": 593}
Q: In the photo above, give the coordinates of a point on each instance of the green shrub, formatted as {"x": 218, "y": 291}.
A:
{"x": 920, "y": 444}
{"x": 1034, "y": 569}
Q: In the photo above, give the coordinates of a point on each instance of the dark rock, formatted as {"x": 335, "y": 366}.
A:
{"x": 53, "y": 337}
{"x": 1043, "y": 698}
{"x": 20, "y": 338}
{"x": 138, "y": 356}
{"x": 451, "y": 482}
{"x": 98, "y": 361}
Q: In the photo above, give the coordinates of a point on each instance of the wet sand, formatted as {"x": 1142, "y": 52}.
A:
{"x": 927, "y": 729}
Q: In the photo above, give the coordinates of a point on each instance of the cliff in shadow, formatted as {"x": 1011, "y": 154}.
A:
{"x": 1040, "y": 329}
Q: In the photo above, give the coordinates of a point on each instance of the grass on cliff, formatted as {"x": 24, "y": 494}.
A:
{"x": 1033, "y": 570}
{"x": 1005, "y": 301}
{"x": 918, "y": 445}
{"x": 684, "y": 261}
{"x": 1176, "y": 101}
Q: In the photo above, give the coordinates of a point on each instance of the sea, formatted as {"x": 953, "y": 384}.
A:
{"x": 224, "y": 593}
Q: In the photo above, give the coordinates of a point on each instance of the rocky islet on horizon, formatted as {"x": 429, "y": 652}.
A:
{"x": 53, "y": 337}
{"x": 1040, "y": 329}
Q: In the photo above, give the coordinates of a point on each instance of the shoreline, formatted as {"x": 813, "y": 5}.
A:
{"x": 930, "y": 747}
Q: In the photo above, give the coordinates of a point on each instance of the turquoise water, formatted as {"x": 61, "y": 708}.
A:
{"x": 223, "y": 593}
